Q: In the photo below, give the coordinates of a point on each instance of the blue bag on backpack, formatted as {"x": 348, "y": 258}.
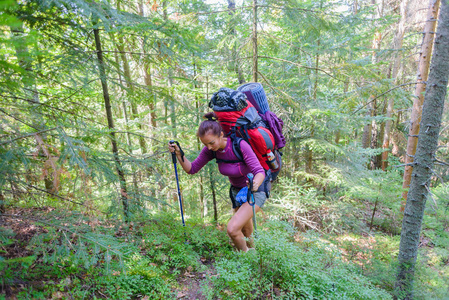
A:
{"x": 242, "y": 195}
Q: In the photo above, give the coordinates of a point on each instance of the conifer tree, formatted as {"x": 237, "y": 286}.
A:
{"x": 425, "y": 156}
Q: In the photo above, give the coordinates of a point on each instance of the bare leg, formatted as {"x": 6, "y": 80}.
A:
{"x": 247, "y": 231}
{"x": 240, "y": 226}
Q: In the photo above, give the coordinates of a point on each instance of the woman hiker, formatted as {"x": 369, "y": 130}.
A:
{"x": 212, "y": 136}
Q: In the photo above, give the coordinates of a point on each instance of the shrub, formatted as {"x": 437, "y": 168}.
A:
{"x": 312, "y": 270}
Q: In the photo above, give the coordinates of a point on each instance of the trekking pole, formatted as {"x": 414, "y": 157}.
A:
{"x": 173, "y": 156}
{"x": 251, "y": 201}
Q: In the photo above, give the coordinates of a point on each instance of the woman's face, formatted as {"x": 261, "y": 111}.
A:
{"x": 212, "y": 142}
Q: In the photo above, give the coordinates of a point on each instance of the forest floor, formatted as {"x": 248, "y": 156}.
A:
{"x": 172, "y": 267}
{"x": 20, "y": 224}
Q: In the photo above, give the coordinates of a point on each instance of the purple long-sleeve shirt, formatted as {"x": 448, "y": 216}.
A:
{"x": 235, "y": 171}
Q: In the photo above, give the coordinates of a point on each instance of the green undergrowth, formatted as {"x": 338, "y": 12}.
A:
{"x": 283, "y": 268}
{"x": 80, "y": 259}
{"x": 375, "y": 257}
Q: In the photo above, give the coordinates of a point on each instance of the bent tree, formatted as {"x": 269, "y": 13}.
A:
{"x": 425, "y": 156}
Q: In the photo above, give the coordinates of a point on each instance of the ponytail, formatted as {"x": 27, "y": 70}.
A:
{"x": 210, "y": 125}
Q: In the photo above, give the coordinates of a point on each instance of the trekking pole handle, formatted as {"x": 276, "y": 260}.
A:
{"x": 250, "y": 196}
{"x": 173, "y": 154}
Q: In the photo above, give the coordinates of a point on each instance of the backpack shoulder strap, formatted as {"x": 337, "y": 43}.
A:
{"x": 235, "y": 148}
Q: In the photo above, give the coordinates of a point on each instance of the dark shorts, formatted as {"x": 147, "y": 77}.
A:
{"x": 259, "y": 197}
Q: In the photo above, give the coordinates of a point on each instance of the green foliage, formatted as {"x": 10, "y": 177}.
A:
{"x": 141, "y": 278}
{"x": 314, "y": 269}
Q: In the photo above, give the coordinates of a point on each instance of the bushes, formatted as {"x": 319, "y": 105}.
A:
{"x": 282, "y": 267}
{"x": 152, "y": 257}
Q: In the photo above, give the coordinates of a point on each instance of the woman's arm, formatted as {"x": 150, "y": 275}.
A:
{"x": 192, "y": 167}
{"x": 257, "y": 181}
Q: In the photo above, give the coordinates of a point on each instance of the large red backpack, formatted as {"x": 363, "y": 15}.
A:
{"x": 240, "y": 119}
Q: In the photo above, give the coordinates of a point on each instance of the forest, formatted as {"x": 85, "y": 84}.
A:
{"x": 92, "y": 91}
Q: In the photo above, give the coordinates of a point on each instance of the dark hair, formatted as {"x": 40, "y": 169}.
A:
{"x": 210, "y": 125}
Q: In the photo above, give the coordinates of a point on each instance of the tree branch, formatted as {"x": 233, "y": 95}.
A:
{"x": 53, "y": 194}
{"x": 393, "y": 88}
{"x": 17, "y": 119}
{"x": 439, "y": 162}
{"x": 27, "y": 135}
{"x": 51, "y": 107}
{"x": 274, "y": 89}
{"x": 302, "y": 66}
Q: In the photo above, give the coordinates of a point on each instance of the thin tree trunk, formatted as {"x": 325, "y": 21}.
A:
{"x": 423, "y": 71}
{"x": 255, "y": 67}
{"x": 2, "y": 203}
{"x": 172, "y": 103}
{"x": 125, "y": 114}
{"x": 375, "y": 132}
{"x": 30, "y": 90}
{"x": 372, "y": 216}
{"x": 397, "y": 46}
{"x": 148, "y": 80}
{"x": 152, "y": 102}
{"x": 107, "y": 104}
{"x": 309, "y": 154}
{"x": 165, "y": 16}
{"x": 317, "y": 61}
{"x": 130, "y": 88}
{"x": 424, "y": 158}
{"x": 214, "y": 196}
{"x": 170, "y": 84}
{"x": 366, "y": 137}
{"x": 387, "y": 131}
{"x": 235, "y": 55}
{"x": 374, "y": 136}
{"x": 374, "y": 163}
{"x": 338, "y": 131}
{"x": 196, "y": 87}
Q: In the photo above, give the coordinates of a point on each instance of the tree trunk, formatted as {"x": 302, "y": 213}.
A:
{"x": 130, "y": 88}
{"x": 152, "y": 102}
{"x": 397, "y": 46}
{"x": 170, "y": 84}
{"x": 30, "y": 90}
{"x": 424, "y": 158}
{"x": 107, "y": 104}
{"x": 202, "y": 199}
{"x": 309, "y": 154}
{"x": 125, "y": 113}
{"x": 366, "y": 138}
{"x": 374, "y": 135}
{"x": 148, "y": 80}
{"x": 255, "y": 67}
{"x": 235, "y": 55}
{"x": 374, "y": 163}
{"x": 317, "y": 61}
{"x": 423, "y": 71}
{"x": 214, "y": 196}
{"x": 2, "y": 203}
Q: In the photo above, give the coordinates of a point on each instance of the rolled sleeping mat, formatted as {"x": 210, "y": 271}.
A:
{"x": 256, "y": 95}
